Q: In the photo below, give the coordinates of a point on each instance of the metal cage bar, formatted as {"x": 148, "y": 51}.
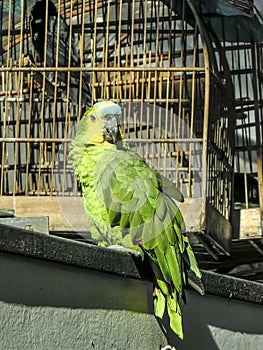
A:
{"x": 158, "y": 64}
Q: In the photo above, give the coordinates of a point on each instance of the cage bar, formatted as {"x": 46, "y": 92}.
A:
{"x": 170, "y": 75}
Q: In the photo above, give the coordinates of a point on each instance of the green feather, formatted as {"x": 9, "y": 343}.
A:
{"x": 192, "y": 259}
{"x": 169, "y": 188}
{"x": 173, "y": 258}
{"x": 125, "y": 220}
{"x": 175, "y": 315}
{"x": 162, "y": 262}
{"x": 161, "y": 207}
{"x": 159, "y": 303}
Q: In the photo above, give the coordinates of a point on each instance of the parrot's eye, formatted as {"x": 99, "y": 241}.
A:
{"x": 93, "y": 118}
{"x": 108, "y": 117}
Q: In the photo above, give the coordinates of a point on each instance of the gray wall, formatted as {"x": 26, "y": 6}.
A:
{"x": 49, "y": 305}
{"x": 213, "y": 323}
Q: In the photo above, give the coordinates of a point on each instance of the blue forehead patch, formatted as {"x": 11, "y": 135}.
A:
{"x": 106, "y": 108}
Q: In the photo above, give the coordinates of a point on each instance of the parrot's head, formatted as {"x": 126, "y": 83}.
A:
{"x": 100, "y": 123}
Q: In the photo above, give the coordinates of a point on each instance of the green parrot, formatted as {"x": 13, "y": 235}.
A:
{"x": 129, "y": 204}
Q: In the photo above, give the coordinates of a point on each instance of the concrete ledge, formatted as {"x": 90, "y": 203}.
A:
{"x": 60, "y": 294}
{"x": 91, "y": 257}
{"x": 232, "y": 287}
{"x": 41, "y": 246}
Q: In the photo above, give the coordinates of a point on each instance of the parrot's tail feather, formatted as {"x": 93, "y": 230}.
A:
{"x": 166, "y": 296}
{"x": 175, "y": 314}
{"x": 167, "y": 303}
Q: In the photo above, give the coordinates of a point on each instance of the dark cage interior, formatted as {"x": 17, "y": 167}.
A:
{"x": 176, "y": 83}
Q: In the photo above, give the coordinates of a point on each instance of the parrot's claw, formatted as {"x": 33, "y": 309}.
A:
{"x": 168, "y": 347}
{"x": 120, "y": 248}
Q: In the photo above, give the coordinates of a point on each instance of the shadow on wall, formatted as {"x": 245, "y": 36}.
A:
{"x": 33, "y": 282}
{"x": 210, "y": 322}
{"x": 213, "y": 323}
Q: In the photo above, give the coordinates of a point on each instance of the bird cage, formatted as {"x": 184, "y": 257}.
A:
{"x": 239, "y": 29}
{"x": 245, "y": 61}
{"x": 155, "y": 59}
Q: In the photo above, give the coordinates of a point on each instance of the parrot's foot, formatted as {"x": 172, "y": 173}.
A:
{"x": 120, "y": 248}
{"x": 168, "y": 347}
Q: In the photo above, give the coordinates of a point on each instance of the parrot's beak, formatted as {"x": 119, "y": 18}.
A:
{"x": 115, "y": 133}
{"x": 111, "y": 129}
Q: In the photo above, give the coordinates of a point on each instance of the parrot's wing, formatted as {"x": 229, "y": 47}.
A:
{"x": 135, "y": 201}
{"x": 147, "y": 217}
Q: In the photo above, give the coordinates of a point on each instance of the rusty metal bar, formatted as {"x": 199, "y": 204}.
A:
{"x": 67, "y": 140}
{"x": 11, "y": 69}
